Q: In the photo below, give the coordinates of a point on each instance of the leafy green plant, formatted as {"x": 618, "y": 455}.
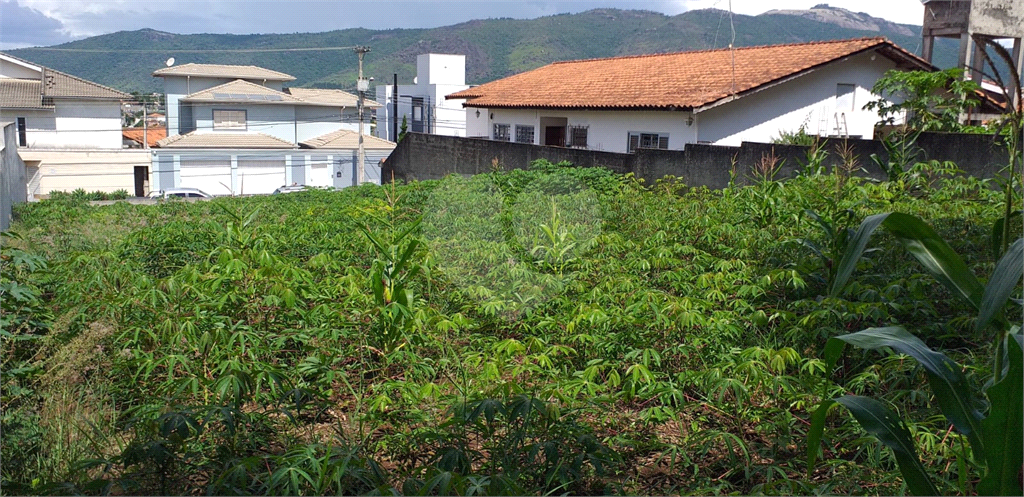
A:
{"x": 930, "y": 101}
{"x": 901, "y": 152}
{"x": 389, "y": 278}
{"x": 995, "y": 437}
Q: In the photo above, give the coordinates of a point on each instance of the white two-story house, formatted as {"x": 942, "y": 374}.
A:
{"x": 422, "y": 104}
{"x": 238, "y": 130}
{"x": 68, "y": 130}
{"x": 723, "y": 96}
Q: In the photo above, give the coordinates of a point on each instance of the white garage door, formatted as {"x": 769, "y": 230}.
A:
{"x": 260, "y": 174}
{"x": 210, "y": 174}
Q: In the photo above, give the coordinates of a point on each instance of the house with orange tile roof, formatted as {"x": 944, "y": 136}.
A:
{"x": 723, "y": 96}
{"x": 235, "y": 130}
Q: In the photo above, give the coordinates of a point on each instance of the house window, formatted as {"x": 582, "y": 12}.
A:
{"x": 228, "y": 119}
{"x": 502, "y": 132}
{"x": 524, "y": 134}
{"x": 578, "y": 136}
{"x": 844, "y": 97}
{"x": 648, "y": 140}
{"x": 22, "y": 132}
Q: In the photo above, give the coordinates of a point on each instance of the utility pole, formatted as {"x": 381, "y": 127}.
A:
{"x": 394, "y": 112}
{"x": 362, "y": 85}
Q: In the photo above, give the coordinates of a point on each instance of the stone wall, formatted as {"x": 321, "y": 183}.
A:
{"x": 423, "y": 157}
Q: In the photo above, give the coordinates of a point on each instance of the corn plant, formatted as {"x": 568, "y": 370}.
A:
{"x": 995, "y": 436}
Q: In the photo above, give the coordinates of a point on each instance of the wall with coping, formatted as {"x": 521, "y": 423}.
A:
{"x": 424, "y": 157}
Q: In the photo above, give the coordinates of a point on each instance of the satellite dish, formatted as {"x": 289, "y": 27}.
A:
{"x": 170, "y": 62}
{"x": 415, "y": 80}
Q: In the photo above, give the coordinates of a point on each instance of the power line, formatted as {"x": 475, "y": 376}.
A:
{"x": 182, "y": 50}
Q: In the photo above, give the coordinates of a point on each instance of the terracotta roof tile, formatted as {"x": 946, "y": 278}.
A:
{"x": 223, "y": 140}
{"x": 682, "y": 80}
{"x": 137, "y": 135}
{"x": 223, "y": 71}
{"x": 346, "y": 139}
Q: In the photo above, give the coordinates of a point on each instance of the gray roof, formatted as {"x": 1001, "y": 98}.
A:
{"x": 347, "y": 139}
{"x": 21, "y": 94}
{"x": 223, "y": 139}
{"x": 242, "y": 91}
{"x": 329, "y": 98}
{"x": 223, "y": 71}
{"x": 63, "y": 85}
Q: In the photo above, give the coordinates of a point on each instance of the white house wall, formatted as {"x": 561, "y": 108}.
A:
{"x": 177, "y": 87}
{"x": 106, "y": 171}
{"x": 316, "y": 121}
{"x": 607, "y": 130}
{"x": 72, "y": 125}
{"x": 274, "y": 120}
{"x": 761, "y": 116}
{"x": 254, "y": 172}
{"x": 16, "y": 70}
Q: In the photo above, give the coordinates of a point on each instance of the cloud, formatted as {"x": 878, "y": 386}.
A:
{"x": 22, "y": 26}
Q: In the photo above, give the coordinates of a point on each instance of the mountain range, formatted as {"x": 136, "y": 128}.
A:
{"x": 494, "y": 48}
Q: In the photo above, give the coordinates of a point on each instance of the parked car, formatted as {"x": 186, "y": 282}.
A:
{"x": 289, "y": 189}
{"x": 180, "y": 193}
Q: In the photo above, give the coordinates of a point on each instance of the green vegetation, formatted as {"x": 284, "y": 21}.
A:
{"x": 551, "y": 330}
{"x": 495, "y": 48}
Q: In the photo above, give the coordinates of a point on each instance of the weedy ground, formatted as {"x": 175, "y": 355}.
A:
{"x": 552, "y": 330}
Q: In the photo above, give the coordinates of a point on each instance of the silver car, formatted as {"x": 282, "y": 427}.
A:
{"x": 180, "y": 193}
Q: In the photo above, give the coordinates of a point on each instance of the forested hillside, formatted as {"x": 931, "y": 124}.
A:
{"x": 494, "y": 47}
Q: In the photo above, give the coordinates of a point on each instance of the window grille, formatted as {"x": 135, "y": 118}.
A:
{"x": 647, "y": 140}
{"x": 578, "y": 136}
{"x": 502, "y": 132}
{"x": 524, "y": 134}
{"x": 228, "y": 119}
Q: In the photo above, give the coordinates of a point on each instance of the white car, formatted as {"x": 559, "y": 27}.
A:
{"x": 180, "y": 193}
{"x": 289, "y": 189}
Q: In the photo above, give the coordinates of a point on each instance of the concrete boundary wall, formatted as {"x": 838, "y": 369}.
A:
{"x": 423, "y": 157}
{"x": 13, "y": 187}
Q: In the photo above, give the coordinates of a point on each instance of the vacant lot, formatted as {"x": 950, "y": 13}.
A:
{"x": 557, "y": 330}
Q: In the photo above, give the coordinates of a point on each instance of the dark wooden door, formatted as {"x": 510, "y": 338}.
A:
{"x": 141, "y": 179}
{"x": 554, "y": 136}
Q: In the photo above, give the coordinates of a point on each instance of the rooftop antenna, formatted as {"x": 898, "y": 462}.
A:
{"x": 170, "y": 62}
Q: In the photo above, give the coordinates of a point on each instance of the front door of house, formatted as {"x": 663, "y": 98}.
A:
{"x": 141, "y": 181}
{"x": 554, "y": 136}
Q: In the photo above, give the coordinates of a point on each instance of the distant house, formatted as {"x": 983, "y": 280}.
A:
{"x": 68, "y": 130}
{"x": 666, "y": 101}
{"x": 142, "y": 137}
{"x": 422, "y": 104}
{"x": 236, "y": 130}
{"x": 54, "y": 110}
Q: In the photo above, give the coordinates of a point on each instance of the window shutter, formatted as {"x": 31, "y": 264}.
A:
{"x": 663, "y": 142}
{"x": 634, "y": 142}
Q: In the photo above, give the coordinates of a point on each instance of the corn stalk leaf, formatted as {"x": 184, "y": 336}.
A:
{"x": 1004, "y": 435}
{"x": 996, "y": 239}
{"x": 953, "y": 393}
{"x": 924, "y": 244}
{"x": 854, "y": 250}
{"x": 881, "y": 422}
{"x": 1005, "y": 276}
{"x": 815, "y": 432}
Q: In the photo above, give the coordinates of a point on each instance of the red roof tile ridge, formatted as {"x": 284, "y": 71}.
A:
{"x": 877, "y": 39}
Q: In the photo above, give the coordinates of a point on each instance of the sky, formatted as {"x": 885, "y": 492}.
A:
{"x": 25, "y": 23}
